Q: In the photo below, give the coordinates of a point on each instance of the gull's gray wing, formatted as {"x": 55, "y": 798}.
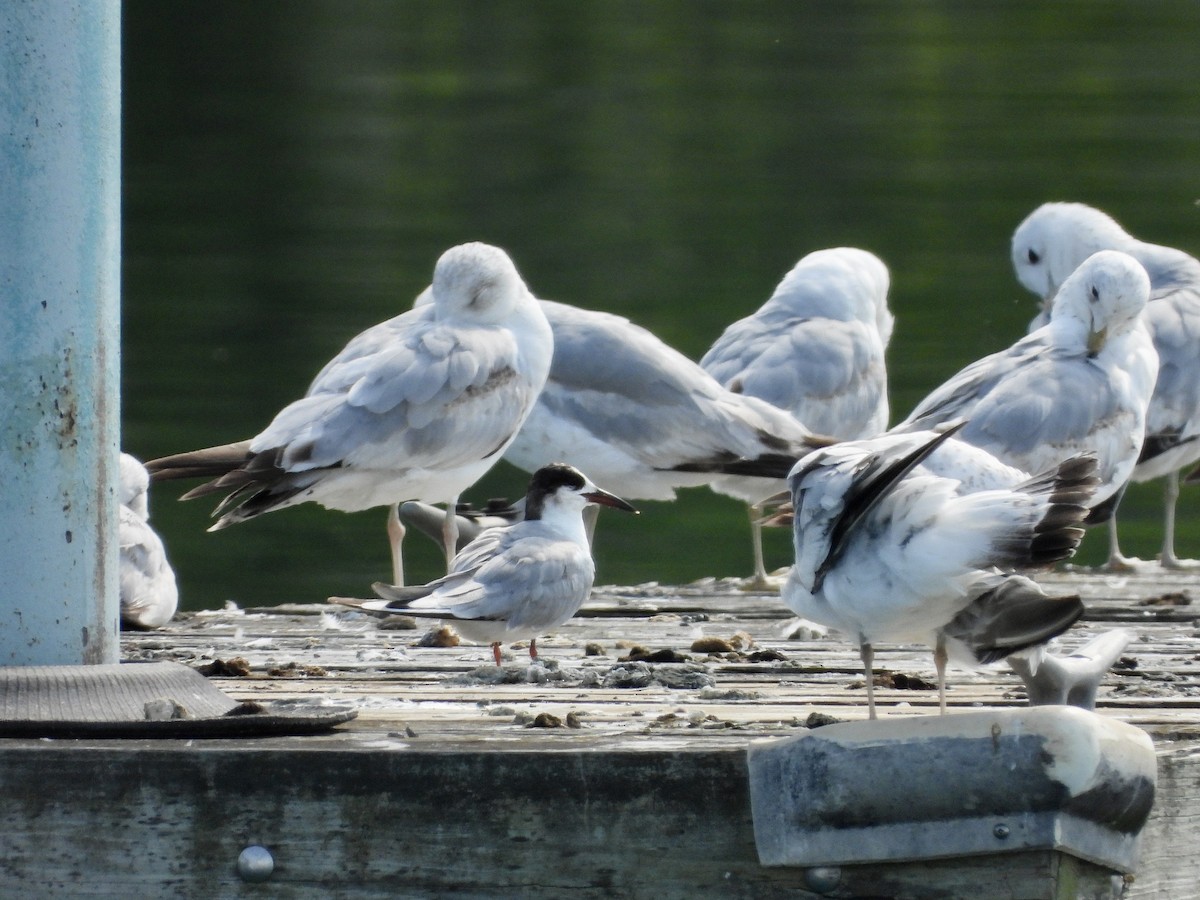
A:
{"x": 621, "y": 382}
{"x": 386, "y": 401}
{"x": 958, "y": 396}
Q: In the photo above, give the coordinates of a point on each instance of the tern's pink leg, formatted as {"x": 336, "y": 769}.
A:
{"x": 496, "y": 652}
{"x": 533, "y": 649}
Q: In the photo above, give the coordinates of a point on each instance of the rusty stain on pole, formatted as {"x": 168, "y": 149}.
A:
{"x": 59, "y": 351}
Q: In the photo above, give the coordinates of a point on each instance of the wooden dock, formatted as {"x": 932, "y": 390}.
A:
{"x": 615, "y": 767}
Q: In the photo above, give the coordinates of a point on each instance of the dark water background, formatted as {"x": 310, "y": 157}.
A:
{"x": 293, "y": 169}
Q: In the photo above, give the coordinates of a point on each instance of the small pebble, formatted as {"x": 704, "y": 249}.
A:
{"x": 819, "y": 720}
{"x": 444, "y": 636}
{"x": 238, "y": 667}
{"x": 711, "y": 645}
{"x": 164, "y": 709}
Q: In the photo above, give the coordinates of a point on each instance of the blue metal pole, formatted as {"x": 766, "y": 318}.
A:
{"x": 59, "y": 349}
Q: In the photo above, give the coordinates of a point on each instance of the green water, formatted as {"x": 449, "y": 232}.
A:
{"x": 293, "y": 169}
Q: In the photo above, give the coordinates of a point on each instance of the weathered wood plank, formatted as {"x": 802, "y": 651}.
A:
{"x": 644, "y": 796}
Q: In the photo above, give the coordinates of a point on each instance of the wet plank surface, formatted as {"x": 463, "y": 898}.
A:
{"x": 587, "y": 773}
{"x": 733, "y": 674}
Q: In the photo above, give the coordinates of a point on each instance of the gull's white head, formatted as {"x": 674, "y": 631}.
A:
{"x": 840, "y": 282}
{"x": 135, "y": 485}
{"x": 1056, "y": 238}
{"x": 477, "y": 281}
{"x": 1104, "y": 296}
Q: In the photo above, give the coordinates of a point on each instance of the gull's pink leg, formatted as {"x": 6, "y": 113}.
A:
{"x": 868, "y": 657}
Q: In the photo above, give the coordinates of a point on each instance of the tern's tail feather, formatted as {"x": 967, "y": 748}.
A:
{"x": 395, "y": 602}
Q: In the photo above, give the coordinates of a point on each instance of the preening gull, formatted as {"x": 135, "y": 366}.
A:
{"x": 514, "y": 582}
{"x": 888, "y": 551}
{"x": 816, "y": 349}
{"x": 1046, "y": 248}
{"x": 149, "y": 593}
{"x": 1081, "y": 382}
{"x": 416, "y": 408}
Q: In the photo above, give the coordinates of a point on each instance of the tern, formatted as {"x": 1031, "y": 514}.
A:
{"x": 515, "y": 582}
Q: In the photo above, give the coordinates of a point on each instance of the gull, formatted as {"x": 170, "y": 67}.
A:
{"x": 816, "y": 349}
{"x": 416, "y": 408}
{"x": 630, "y": 410}
{"x": 1046, "y": 248}
{"x": 886, "y": 550}
{"x": 149, "y": 594}
{"x": 1082, "y": 382}
{"x": 1073, "y": 678}
{"x": 515, "y": 582}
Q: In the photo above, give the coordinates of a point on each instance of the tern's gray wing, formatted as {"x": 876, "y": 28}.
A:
{"x": 534, "y": 582}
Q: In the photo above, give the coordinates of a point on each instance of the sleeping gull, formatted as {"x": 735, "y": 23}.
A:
{"x": 1081, "y": 382}
{"x": 889, "y": 551}
{"x": 417, "y": 407}
{"x": 518, "y": 582}
{"x": 816, "y": 347}
{"x": 629, "y": 410}
{"x": 1046, "y": 248}
{"x": 149, "y": 594}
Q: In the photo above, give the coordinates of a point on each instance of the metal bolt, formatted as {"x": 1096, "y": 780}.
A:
{"x": 822, "y": 879}
{"x": 255, "y": 864}
{"x": 1001, "y": 831}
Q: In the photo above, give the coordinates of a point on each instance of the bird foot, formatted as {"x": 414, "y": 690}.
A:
{"x": 1173, "y": 563}
{"x": 1125, "y": 564}
{"x": 801, "y": 629}
{"x": 763, "y": 582}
